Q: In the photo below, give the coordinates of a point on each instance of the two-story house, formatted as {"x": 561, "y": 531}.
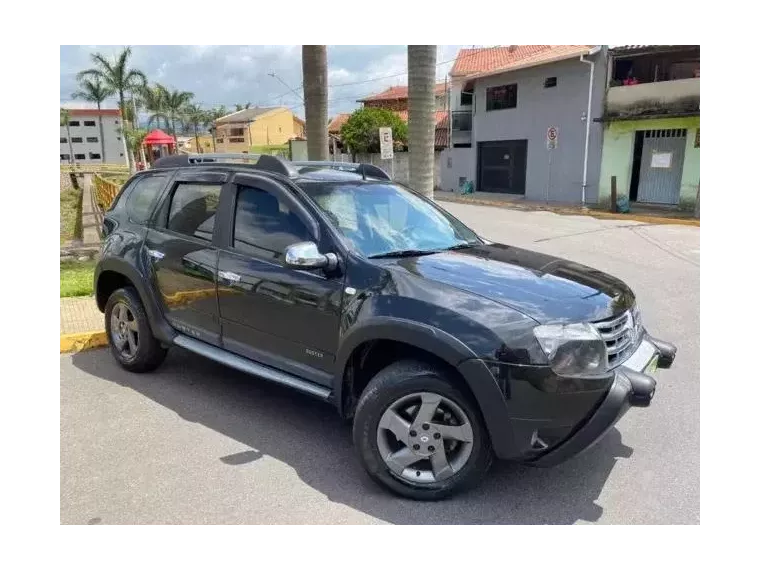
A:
{"x": 522, "y": 121}
{"x": 397, "y": 99}
{"x": 257, "y": 126}
{"x": 93, "y": 136}
{"x": 651, "y": 125}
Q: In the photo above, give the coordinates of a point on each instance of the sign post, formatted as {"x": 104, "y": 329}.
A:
{"x": 552, "y": 140}
{"x": 386, "y": 146}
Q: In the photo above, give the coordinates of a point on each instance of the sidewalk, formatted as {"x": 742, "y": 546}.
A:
{"x": 90, "y": 237}
{"x": 82, "y": 324}
{"x": 638, "y": 213}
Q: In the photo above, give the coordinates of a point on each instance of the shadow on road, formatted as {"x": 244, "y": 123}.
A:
{"x": 310, "y": 437}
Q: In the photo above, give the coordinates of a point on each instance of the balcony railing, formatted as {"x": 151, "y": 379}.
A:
{"x": 461, "y": 121}
{"x": 681, "y": 94}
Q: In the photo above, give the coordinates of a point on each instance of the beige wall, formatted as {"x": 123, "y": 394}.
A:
{"x": 274, "y": 128}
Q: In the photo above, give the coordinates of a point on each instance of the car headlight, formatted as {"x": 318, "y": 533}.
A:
{"x": 573, "y": 349}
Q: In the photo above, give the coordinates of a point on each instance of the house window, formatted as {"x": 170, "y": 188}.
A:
{"x": 94, "y": 155}
{"x": 279, "y": 129}
{"x": 116, "y": 121}
{"x": 73, "y": 123}
{"x": 220, "y": 140}
{"x": 550, "y": 82}
{"x": 64, "y": 140}
{"x": 76, "y": 139}
{"x": 237, "y": 139}
{"x": 237, "y": 132}
{"x": 465, "y": 98}
{"x": 501, "y": 97}
{"x": 65, "y": 156}
{"x": 89, "y": 123}
{"x": 79, "y": 156}
{"x": 92, "y": 139}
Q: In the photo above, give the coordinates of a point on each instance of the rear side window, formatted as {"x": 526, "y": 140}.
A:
{"x": 264, "y": 225}
{"x": 193, "y": 209}
{"x": 142, "y": 197}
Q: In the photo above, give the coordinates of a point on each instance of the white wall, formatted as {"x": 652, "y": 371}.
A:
{"x": 454, "y": 163}
{"x": 398, "y": 168}
{"x": 114, "y": 145}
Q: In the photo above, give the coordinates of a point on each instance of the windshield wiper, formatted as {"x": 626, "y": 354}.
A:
{"x": 467, "y": 245}
{"x": 404, "y": 253}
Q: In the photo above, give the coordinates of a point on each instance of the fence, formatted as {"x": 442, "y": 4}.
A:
{"x": 398, "y": 168}
{"x": 105, "y": 191}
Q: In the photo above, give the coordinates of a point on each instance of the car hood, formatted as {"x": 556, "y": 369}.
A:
{"x": 546, "y": 288}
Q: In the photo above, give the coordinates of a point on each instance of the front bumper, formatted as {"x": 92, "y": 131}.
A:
{"x": 632, "y": 387}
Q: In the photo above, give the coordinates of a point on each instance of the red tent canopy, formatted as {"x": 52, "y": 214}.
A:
{"x": 157, "y": 136}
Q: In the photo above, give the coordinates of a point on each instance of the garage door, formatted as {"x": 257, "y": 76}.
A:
{"x": 502, "y": 165}
{"x": 661, "y": 166}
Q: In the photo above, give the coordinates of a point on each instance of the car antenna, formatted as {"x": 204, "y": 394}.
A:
{"x": 364, "y": 172}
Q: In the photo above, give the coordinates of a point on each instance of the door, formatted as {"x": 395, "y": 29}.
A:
{"x": 281, "y": 317}
{"x": 179, "y": 246}
{"x": 502, "y": 166}
{"x": 661, "y": 167}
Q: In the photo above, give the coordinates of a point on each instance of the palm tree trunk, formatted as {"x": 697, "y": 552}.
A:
{"x": 314, "y": 61}
{"x": 102, "y": 139}
{"x": 124, "y": 122}
{"x": 197, "y": 142}
{"x": 421, "y": 70}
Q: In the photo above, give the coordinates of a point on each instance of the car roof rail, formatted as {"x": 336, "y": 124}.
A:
{"x": 262, "y": 161}
{"x": 358, "y": 167}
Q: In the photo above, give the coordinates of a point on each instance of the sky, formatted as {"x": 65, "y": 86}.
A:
{"x": 225, "y": 75}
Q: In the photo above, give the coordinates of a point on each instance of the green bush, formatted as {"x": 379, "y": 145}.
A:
{"x": 361, "y": 131}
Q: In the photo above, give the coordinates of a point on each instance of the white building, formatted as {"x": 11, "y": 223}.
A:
{"x": 93, "y": 136}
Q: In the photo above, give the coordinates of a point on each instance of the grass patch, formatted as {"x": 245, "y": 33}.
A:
{"x": 71, "y": 215}
{"x": 76, "y": 278}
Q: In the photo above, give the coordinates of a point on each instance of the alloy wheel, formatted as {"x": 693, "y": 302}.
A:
{"x": 124, "y": 331}
{"x": 424, "y": 438}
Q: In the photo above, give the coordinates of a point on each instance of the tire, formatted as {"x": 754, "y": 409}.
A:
{"x": 393, "y": 391}
{"x": 144, "y": 353}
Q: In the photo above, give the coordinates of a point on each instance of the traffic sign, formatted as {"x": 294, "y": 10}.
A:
{"x": 552, "y": 138}
{"x": 386, "y": 143}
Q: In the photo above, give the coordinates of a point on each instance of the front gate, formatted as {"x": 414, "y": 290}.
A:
{"x": 661, "y": 166}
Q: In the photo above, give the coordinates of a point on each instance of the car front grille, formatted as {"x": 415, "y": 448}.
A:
{"x": 621, "y": 335}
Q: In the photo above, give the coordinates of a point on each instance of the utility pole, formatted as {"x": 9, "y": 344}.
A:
{"x": 314, "y": 61}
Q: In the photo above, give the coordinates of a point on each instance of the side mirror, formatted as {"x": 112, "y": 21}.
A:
{"x": 305, "y": 255}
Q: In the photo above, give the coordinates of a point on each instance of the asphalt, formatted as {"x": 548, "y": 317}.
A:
{"x": 198, "y": 443}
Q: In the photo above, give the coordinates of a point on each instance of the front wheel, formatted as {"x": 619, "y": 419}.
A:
{"x": 129, "y": 335}
{"x": 419, "y": 434}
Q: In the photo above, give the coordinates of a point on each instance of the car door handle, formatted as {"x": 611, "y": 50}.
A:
{"x": 155, "y": 254}
{"x": 229, "y": 276}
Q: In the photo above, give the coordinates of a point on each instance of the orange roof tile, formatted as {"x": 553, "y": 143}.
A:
{"x": 477, "y": 61}
{"x": 400, "y": 92}
{"x": 337, "y": 122}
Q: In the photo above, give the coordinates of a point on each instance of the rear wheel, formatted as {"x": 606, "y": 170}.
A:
{"x": 129, "y": 335}
{"x": 418, "y": 434}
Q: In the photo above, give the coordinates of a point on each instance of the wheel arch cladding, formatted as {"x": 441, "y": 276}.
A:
{"x": 477, "y": 378}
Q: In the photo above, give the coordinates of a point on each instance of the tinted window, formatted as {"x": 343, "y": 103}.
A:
{"x": 143, "y": 195}
{"x": 264, "y": 225}
{"x": 193, "y": 209}
{"x": 501, "y": 97}
{"x": 381, "y": 218}
{"x": 89, "y": 123}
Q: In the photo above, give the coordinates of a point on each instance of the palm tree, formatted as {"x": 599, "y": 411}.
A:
{"x": 119, "y": 78}
{"x": 65, "y": 116}
{"x": 314, "y": 61}
{"x": 152, "y": 98}
{"x": 94, "y": 91}
{"x": 195, "y": 117}
{"x": 175, "y": 101}
{"x": 421, "y": 79}
{"x": 239, "y": 107}
{"x": 212, "y": 116}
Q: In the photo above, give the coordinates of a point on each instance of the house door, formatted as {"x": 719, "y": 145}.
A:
{"x": 502, "y": 165}
{"x": 661, "y": 167}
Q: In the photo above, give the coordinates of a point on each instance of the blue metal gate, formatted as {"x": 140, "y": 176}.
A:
{"x": 661, "y": 166}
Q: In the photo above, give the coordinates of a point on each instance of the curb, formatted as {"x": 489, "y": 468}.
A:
{"x": 77, "y": 342}
{"x": 574, "y": 211}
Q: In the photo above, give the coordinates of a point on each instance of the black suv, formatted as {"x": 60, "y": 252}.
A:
{"x": 443, "y": 348}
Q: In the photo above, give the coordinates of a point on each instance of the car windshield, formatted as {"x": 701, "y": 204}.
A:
{"x": 385, "y": 219}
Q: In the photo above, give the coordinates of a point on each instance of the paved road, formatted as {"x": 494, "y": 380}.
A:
{"x": 199, "y": 443}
